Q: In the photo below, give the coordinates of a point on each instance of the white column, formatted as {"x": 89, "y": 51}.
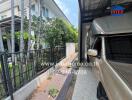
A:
{"x": 70, "y": 49}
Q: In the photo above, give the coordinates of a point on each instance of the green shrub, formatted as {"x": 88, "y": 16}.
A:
{"x": 53, "y": 92}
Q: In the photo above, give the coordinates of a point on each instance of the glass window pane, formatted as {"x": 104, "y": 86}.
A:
{"x": 119, "y": 48}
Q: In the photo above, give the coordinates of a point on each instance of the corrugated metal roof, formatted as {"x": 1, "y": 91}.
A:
{"x": 91, "y": 9}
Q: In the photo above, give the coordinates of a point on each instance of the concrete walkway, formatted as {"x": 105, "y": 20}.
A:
{"x": 59, "y": 79}
{"x": 86, "y": 84}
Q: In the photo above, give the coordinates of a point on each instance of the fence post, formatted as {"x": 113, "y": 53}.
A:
{"x": 4, "y": 75}
{"x": 50, "y": 54}
{"x": 13, "y": 70}
{"x": 9, "y": 83}
{"x": 64, "y": 50}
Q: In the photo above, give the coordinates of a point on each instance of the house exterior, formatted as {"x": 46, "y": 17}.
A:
{"x": 44, "y": 8}
{"x": 49, "y": 9}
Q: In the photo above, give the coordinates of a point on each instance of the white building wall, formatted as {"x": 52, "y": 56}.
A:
{"x": 53, "y": 10}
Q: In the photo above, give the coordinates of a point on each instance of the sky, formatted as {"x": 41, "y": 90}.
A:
{"x": 70, "y": 9}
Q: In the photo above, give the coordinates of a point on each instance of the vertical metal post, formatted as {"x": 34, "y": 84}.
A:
{"x": 80, "y": 38}
{"x": 12, "y": 35}
{"x": 4, "y": 75}
{"x": 22, "y": 24}
{"x": 12, "y": 28}
{"x": 9, "y": 83}
{"x": 40, "y": 22}
{"x": 51, "y": 54}
{"x": 21, "y": 40}
{"x": 64, "y": 39}
{"x": 29, "y": 28}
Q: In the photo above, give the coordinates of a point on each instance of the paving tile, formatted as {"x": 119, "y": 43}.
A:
{"x": 86, "y": 85}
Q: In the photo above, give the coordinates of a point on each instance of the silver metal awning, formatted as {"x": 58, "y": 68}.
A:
{"x": 6, "y": 23}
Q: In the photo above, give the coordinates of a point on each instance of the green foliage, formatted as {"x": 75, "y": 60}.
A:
{"x": 52, "y": 32}
{"x": 17, "y": 36}
{"x": 25, "y": 35}
{"x": 53, "y": 92}
{"x": 0, "y": 66}
{"x": 72, "y": 34}
{"x": 36, "y": 24}
{"x": 58, "y": 32}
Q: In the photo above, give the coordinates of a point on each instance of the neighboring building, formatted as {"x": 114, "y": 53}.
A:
{"x": 49, "y": 9}
{"x": 46, "y": 8}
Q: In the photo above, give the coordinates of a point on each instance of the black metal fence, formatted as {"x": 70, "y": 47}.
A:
{"x": 15, "y": 73}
